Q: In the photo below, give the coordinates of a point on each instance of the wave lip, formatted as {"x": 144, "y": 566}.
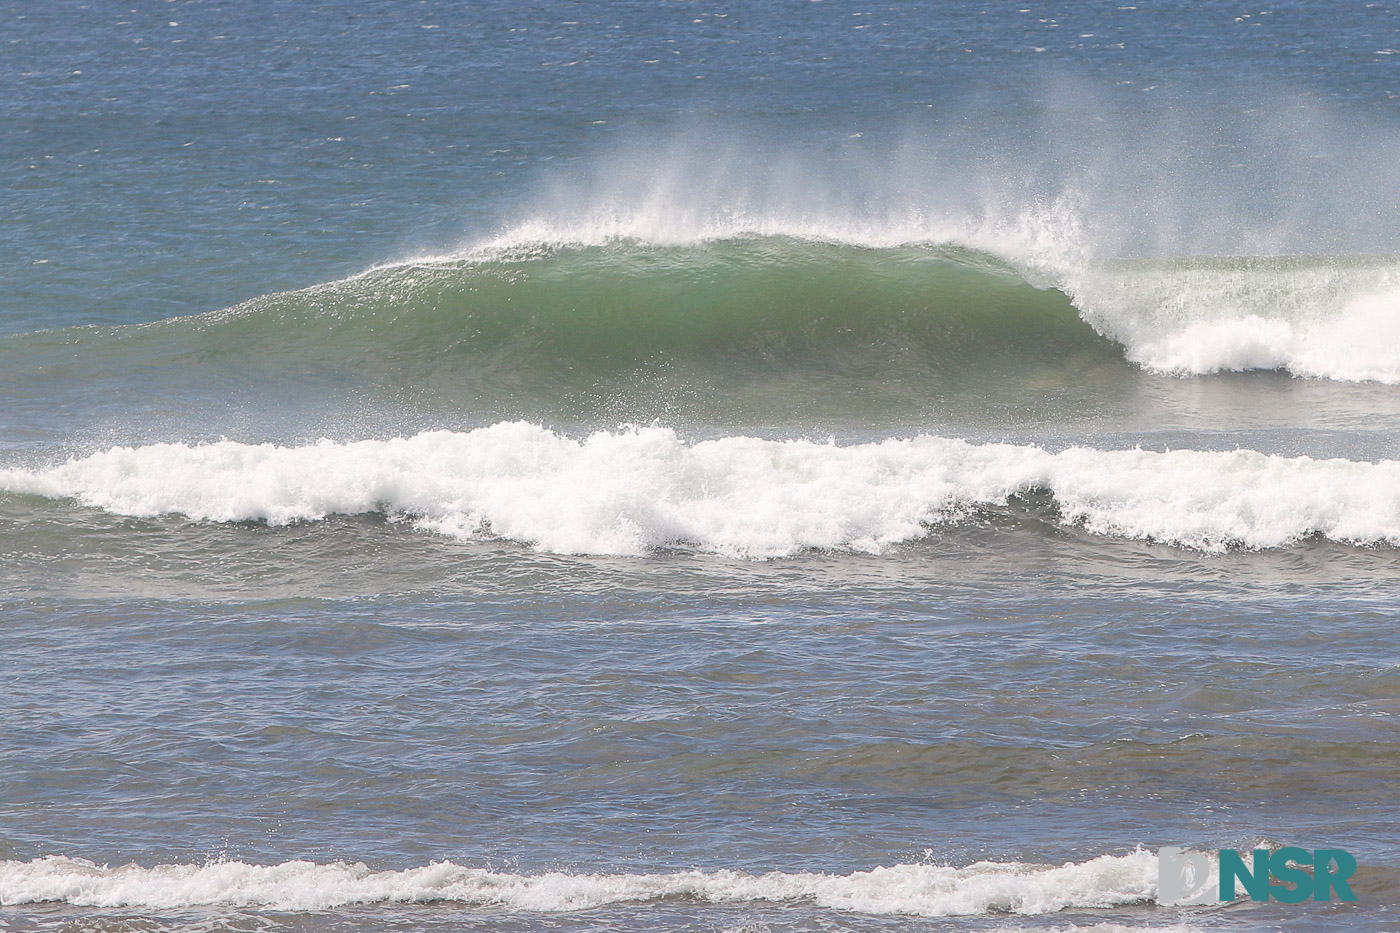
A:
{"x": 633, "y": 491}
{"x": 918, "y": 890}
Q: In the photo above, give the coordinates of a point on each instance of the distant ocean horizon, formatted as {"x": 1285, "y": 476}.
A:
{"x": 655, "y": 466}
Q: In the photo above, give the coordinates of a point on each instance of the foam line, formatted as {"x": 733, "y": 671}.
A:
{"x": 636, "y": 490}
{"x": 918, "y": 890}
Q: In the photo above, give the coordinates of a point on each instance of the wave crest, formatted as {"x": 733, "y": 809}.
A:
{"x": 549, "y": 311}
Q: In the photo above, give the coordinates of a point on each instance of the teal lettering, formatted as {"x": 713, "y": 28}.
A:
{"x": 1301, "y": 880}
{"x": 1324, "y": 881}
{"x": 1232, "y": 868}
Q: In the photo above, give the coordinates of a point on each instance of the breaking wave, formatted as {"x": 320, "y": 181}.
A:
{"x": 563, "y": 308}
{"x": 638, "y": 490}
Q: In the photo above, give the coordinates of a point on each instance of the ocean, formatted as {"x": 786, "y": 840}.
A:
{"x": 685, "y": 466}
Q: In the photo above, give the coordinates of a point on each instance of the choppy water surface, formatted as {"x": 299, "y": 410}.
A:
{"x": 655, "y": 466}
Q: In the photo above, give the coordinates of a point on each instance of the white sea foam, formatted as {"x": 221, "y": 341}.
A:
{"x": 631, "y": 491}
{"x": 1326, "y": 318}
{"x": 919, "y": 890}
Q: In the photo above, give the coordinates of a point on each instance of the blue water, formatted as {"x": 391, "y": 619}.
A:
{"x": 501, "y": 466}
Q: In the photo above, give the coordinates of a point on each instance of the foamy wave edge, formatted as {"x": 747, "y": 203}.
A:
{"x": 632, "y": 491}
{"x": 919, "y": 890}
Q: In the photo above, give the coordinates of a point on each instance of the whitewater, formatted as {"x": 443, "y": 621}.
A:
{"x": 634, "y": 491}
{"x": 918, "y": 890}
{"x": 664, "y": 467}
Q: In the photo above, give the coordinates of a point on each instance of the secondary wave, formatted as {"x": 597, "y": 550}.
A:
{"x": 635, "y": 491}
{"x": 919, "y": 890}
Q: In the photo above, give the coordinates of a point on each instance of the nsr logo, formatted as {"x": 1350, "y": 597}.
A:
{"x": 1187, "y": 877}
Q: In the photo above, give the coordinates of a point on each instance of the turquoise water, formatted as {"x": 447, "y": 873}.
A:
{"x": 643, "y": 466}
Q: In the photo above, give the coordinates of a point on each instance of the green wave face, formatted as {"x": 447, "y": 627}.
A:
{"x": 755, "y": 326}
{"x": 758, "y": 302}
